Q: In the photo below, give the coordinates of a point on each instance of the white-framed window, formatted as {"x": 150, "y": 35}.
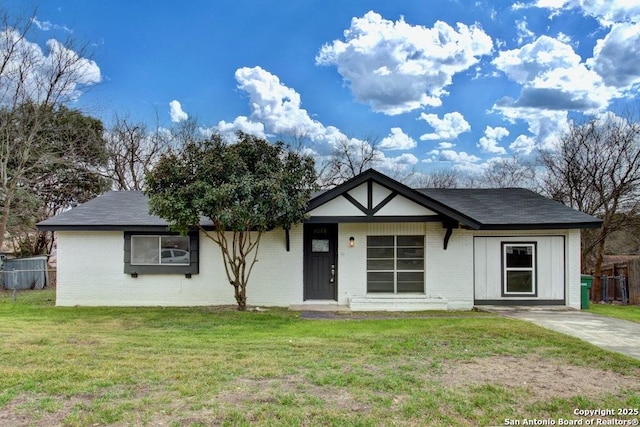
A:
{"x": 395, "y": 264}
{"x": 519, "y": 268}
{"x": 160, "y": 250}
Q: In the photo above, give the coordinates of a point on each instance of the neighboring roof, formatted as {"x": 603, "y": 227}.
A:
{"x": 480, "y": 209}
{"x": 509, "y": 208}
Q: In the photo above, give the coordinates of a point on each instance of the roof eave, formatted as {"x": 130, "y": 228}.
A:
{"x": 540, "y": 226}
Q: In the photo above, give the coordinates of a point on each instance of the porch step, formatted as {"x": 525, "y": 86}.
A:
{"x": 319, "y": 307}
{"x": 396, "y": 304}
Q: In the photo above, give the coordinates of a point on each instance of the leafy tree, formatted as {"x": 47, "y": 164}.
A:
{"x": 33, "y": 85}
{"x": 596, "y": 169}
{"x": 75, "y": 150}
{"x": 245, "y": 189}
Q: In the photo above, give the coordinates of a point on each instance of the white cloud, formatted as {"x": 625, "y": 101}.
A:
{"x": 278, "y": 107}
{"x": 446, "y": 145}
{"x": 564, "y": 38}
{"x": 242, "y": 124}
{"x": 48, "y": 26}
{"x": 406, "y": 159}
{"x": 616, "y": 57}
{"x": 553, "y": 77}
{"x": 523, "y": 145}
{"x": 449, "y": 127}
{"x": 176, "y": 113}
{"x": 397, "y": 140}
{"x": 458, "y": 157}
{"x": 35, "y": 79}
{"x": 489, "y": 142}
{"x": 397, "y": 67}
{"x": 545, "y": 126}
{"x": 606, "y": 11}
{"x": 524, "y": 33}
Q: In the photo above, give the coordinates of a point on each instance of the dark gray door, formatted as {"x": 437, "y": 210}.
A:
{"x": 320, "y": 261}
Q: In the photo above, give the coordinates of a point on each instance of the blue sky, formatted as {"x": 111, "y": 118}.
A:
{"x": 439, "y": 84}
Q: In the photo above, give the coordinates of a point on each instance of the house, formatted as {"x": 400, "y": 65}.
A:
{"x": 370, "y": 243}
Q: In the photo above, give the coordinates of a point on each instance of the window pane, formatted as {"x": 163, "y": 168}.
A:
{"x": 379, "y": 264}
{"x": 379, "y": 241}
{"x": 520, "y": 281}
{"x": 410, "y": 241}
{"x": 411, "y": 282}
{"x": 414, "y": 276}
{"x": 379, "y": 252}
{"x": 144, "y": 250}
{"x": 175, "y": 250}
{"x": 519, "y": 256}
{"x": 410, "y": 252}
{"x": 410, "y": 287}
{"x": 379, "y": 282}
{"x": 319, "y": 245}
{"x": 410, "y": 264}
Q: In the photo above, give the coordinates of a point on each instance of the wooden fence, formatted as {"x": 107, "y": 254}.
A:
{"x": 630, "y": 269}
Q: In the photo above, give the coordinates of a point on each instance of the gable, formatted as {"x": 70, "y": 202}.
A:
{"x": 381, "y": 202}
{"x": 373, "y": 199}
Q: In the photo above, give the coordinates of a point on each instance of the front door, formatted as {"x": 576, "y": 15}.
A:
{"x": 320, "y": 261}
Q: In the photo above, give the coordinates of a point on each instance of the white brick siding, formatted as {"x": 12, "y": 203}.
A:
{"x": 91, "y": 265}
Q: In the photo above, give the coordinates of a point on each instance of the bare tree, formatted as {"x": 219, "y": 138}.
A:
{"x": 509, "y": 173}
{"x": 350, "y": 157}
{"x": 133, "y": 151}
{"x": 596, "y": 169}
{"x": 33, "y": 83}
{"x": 440, "y": 178}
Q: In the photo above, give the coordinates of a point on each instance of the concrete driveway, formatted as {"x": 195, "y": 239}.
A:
{"x": 618, "y": 335}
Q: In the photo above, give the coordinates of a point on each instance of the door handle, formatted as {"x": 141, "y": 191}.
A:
{"x": 333, "y": 273}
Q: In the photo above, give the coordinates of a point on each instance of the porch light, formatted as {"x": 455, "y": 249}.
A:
{"x": 352, "y": 241}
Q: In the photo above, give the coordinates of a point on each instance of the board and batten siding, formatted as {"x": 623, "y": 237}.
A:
{"x": 91, "y": 273}
{"x": 557, "y": 265}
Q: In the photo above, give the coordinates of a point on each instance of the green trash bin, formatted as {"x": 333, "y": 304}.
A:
{"x": 585, "y": 288}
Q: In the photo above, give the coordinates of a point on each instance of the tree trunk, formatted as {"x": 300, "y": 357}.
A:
{"x": 4, "y": 219}
{"x": 241, "y": 295}
{"x": 597, "y": 270}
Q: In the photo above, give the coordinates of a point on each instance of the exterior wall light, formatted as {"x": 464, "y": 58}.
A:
{"x": 352, "y": 241}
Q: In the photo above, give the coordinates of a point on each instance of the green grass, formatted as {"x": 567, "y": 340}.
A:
{"x": 214, "y": 366}
{"x": 627, "y": 312}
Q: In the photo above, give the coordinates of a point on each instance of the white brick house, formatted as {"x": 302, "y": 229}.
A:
{"x": 369, "y": 244}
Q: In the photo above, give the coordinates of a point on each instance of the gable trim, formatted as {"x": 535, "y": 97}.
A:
{"x": 372, "y": 219}
{"x": 397, "y": 189}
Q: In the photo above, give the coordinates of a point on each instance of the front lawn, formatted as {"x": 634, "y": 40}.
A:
{"x": 627, "y": 312}
{"x": 215, "y": 366}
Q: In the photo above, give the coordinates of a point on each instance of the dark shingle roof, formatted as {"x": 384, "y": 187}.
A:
{"x": 497, "y": 209}
{"x": 505, "y": 208}
{"x": 112, "y": 210}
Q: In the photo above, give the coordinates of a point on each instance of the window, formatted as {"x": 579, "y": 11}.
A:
{"x": 155, "y": 250}
{"x": 147, "y": 253}
{"x": 395, "y": 264}
{"x": 519, "y": 272}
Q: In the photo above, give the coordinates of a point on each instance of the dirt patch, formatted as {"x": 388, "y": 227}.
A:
{"x": 542, "y": 377}
{"x": 285, "y": 391}
{"x": 25, "y": 410}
